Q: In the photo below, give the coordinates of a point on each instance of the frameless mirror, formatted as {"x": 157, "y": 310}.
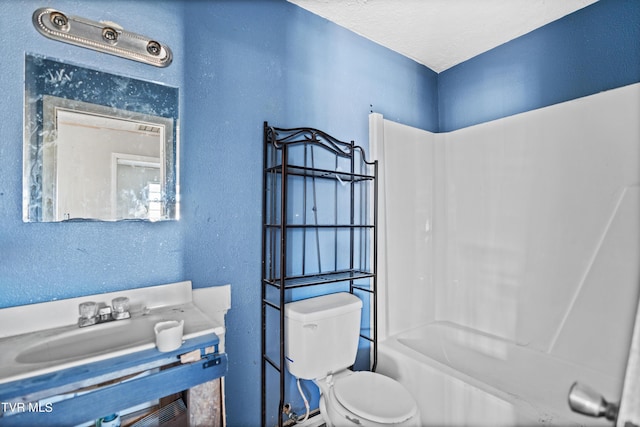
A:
{"x": 97, "y": 146}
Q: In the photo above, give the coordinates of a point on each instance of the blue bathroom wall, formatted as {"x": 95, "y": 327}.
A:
{"x": 255, "y": 61}
{"x": 591, "y": 50}
{"x": 48, "y": 261}
{"x": 237, "y": 64}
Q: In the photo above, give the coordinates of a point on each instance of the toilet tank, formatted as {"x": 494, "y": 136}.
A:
{"x": 321, "y": 334}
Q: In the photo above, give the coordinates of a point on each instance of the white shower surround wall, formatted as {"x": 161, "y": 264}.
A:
{"x": 511, "y": 247}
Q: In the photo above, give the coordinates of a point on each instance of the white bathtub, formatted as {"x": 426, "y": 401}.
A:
{"x": 462, "y": 377}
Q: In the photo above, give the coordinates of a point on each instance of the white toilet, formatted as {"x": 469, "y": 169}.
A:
{"x": 322, "y": 336}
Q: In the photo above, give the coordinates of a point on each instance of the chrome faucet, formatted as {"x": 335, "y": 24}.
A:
{"x": 584, "y": 400}
{"x": 92, "y": 313}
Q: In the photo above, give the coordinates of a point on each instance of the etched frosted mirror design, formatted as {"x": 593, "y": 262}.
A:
{"x": 97, "y": 146}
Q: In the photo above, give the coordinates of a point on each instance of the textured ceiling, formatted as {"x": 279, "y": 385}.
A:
{"x": 441, "y": 33}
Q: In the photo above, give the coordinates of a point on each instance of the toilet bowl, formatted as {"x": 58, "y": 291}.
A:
{"x": 322, "y": 336}
{"x": 366, "y": 399}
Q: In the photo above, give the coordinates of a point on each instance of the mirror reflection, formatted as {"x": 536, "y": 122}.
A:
{"x": 97, "y": 146}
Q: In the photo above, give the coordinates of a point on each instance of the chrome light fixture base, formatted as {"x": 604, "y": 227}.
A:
{"x": 105, "y": 37}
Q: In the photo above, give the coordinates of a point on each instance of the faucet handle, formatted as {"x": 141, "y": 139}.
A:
{"x": 120, "y": 308}
{"x": 88, "y": 309}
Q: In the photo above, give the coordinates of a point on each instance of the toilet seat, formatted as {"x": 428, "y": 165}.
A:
{"x": 375, "y": 397}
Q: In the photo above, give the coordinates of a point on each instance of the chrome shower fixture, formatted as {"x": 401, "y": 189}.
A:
{"x": 584, "y": 400}
{"x": 106, "y": 37}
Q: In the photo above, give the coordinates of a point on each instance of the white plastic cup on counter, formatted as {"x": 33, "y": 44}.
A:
{"x": 169, "y": 335}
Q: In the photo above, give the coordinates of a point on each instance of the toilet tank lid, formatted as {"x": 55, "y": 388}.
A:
{"x": 322, "y": 307}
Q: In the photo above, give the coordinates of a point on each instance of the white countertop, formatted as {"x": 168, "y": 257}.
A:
{"x": 28, "y": 330}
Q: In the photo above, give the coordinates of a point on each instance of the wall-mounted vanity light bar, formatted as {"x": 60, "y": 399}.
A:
{"x": 105, "y": 37}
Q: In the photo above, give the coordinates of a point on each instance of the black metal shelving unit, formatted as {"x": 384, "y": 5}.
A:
{"x": 319, "y": 236}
